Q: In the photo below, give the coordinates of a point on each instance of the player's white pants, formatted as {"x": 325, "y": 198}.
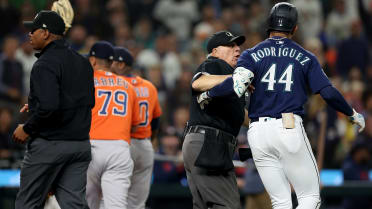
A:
{"x": 284, "y": 156}
{"x": 109, "y": 174}
{"x": 142, "y": 154}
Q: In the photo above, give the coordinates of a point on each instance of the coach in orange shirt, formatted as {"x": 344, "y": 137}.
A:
{"x": 141, "y": 148}
{"x": 114, "y": 114}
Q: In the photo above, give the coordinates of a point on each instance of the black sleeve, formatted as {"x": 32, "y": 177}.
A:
{"x": 46, "y": 91}
{"x": 155, "y": 123}
{"x": 206, "y": 68}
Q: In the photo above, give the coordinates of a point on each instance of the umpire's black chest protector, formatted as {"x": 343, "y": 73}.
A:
{"x": 224, "y": 113}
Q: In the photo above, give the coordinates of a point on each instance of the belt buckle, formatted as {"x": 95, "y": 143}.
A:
{"x": 200, "y": 130}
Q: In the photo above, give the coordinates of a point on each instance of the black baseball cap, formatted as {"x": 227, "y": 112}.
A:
{"x": 49, "y": 20}
{"x": 223, "y": 38}
{"x": 123, "y": 55}
{"x": 103, "y": 50}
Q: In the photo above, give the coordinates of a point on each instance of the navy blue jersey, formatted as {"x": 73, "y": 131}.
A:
{"x": 283, "y": 71}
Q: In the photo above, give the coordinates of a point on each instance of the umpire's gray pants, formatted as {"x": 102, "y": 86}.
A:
{"x": 209, "y": 190}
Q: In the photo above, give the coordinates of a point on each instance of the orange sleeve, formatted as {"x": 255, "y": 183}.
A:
{"x": 136, "y": 119}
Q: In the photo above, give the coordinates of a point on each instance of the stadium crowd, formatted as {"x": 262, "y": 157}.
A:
{"x": 168, "y": 40}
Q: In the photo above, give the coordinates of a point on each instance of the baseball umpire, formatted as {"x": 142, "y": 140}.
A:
{"x": 210, "y": 135}
{"x": 282, "y": 72}
{"x": 57, "y": 132}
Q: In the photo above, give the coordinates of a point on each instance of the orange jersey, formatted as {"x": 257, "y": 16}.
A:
{"x": 115, "y": 110}
{"x": 147, "y": 101}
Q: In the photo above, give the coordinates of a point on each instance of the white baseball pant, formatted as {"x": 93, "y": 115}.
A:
{"x": 109, "y": 174}
{"x": 142, "y": 154}
{"x": 283, "y": 157}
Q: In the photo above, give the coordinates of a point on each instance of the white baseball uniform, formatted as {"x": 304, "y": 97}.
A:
{"x": 278, "y": 152}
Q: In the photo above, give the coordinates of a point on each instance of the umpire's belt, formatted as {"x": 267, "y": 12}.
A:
{"x": 217, "y": 132}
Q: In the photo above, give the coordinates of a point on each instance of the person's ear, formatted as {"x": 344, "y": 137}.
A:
{"x": 92, "y": 61}
{"x": 294, "y": 30}
{"x": 46, "y": 34}
{"x": 122, "y": 65}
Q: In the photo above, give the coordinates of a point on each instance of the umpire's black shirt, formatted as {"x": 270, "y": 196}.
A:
{"x": 224, "y": 113}
{"x": 61, "y": 94}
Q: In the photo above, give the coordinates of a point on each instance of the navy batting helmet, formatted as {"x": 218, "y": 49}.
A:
{"x": 283, "y": 17}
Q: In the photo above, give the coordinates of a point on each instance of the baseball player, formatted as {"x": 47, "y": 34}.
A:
{"x": 141, "y": 148}
{"x": 113, "y": 116}
{"x": 282, "y": 72}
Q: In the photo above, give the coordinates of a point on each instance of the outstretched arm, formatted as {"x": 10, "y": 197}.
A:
{"x": 334, "y": 99}
{"x": 204, "y": 82}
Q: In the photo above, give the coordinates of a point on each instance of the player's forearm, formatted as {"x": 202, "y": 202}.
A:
{"x": 223, "y": 89}
{"x": 206, "y": 82}
{"x": 336, "y": 100}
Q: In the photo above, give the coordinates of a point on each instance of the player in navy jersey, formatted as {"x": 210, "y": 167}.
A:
{"x": 283, "y": 71}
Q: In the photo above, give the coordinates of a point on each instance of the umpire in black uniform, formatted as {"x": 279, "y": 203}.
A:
{"x": 210, "y": 136}
{"x": 57, "y": 132}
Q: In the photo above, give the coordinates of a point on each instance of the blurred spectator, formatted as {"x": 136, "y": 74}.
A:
{"x": 77, "y": 37}
{"x": 164, "y": 55}
{"x": 257, "y": 18}
{"x": 143, "y": 33}
{"x": 310, "y": 15}
{"x": 315, "y": 46}
{"x": 26, "y": 56}
{"x": 11, "y": 72}
{"x": 89, "y": 14}
{"x": 356, "y": 168}
{"x": 169, "y": 171}
{"x": 353, "y": 51}
{"x": 179, "y": 96}
{"x": 9, "y": 18}
{"x": 178, "y": 15}
{"x": 338, "y": 22}
{"x": 122, "y": 34}
{"x": 367, "y": 102}
{"x": 179, "y": 120}
{"x": 5, "y": 133}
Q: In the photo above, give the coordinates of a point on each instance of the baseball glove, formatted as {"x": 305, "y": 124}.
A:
{"x": 64, "y": 9}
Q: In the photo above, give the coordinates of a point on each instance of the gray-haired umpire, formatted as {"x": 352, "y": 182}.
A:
{"x": 210, "y": 137}
{"x": 58, "y": 150}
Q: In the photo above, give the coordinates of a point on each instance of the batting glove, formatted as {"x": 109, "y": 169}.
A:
{"x": 358, "y": 119}
{"x": 203, "y": 99}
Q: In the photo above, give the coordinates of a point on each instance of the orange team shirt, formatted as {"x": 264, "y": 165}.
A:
{"x": 148, "y": 103}
{"x": 115, "y": 111}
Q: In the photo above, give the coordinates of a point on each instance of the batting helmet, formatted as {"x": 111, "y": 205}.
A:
{"x": 283, "y": 17}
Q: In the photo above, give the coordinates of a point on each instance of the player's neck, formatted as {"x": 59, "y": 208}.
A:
{"x": 99, "y": 67}
{"x": 280, "y": 34}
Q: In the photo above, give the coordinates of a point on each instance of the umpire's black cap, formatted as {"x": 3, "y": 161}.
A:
{"x": 223, "y": 38}
{"x": 123, "y": 55}
{"x": 102, "y": 50}
{"x": 283, "y": 17}
{"x": 48, "y": 20}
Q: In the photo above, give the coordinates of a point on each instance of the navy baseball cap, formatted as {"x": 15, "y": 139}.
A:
{"x": 123, "y": 55}
{"x": 223, "y": 38}
{"x": 103, "y": 50}
{"x": 48, "y": 20}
